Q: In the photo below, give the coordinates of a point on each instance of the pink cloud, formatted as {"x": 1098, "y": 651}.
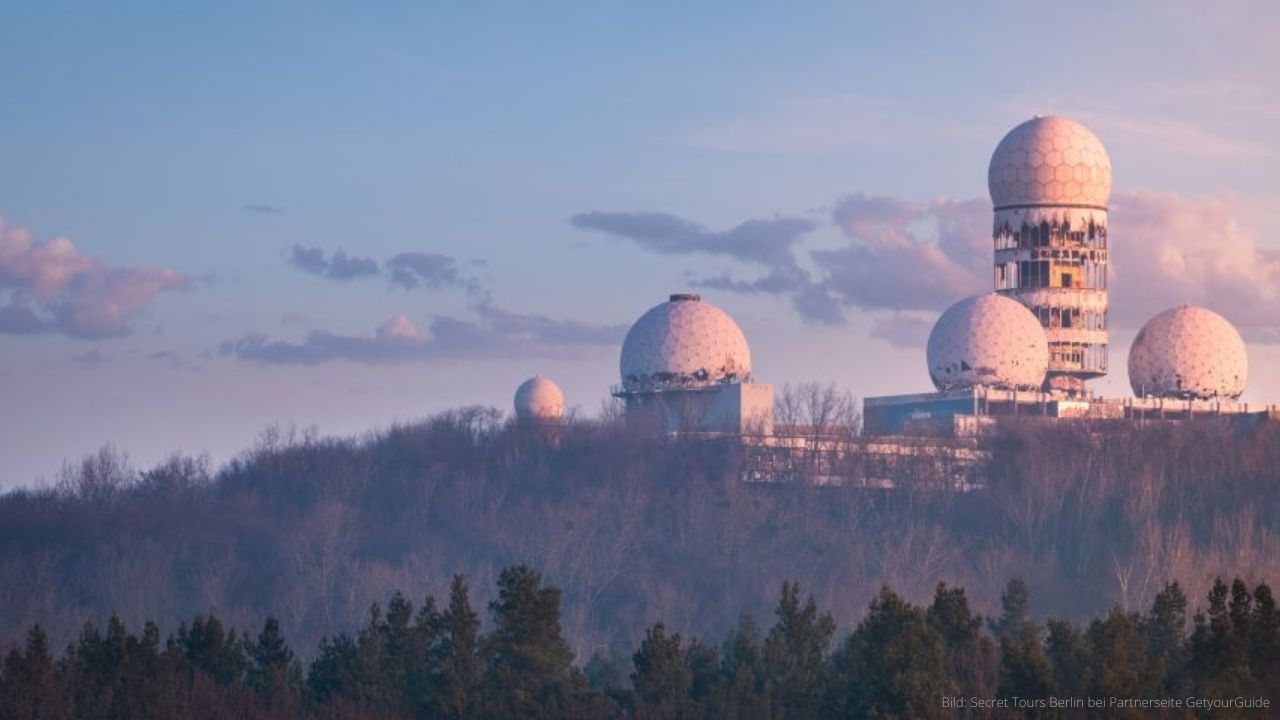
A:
{"x": 53, "y": 287}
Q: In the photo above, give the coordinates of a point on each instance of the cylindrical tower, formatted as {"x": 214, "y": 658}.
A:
{"x": 1050, "y": 180}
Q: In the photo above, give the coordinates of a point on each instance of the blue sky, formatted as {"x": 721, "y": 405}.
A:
{"x": 192, "y": 156}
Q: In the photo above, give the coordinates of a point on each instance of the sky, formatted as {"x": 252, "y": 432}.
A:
{"x": 219, "y": 217}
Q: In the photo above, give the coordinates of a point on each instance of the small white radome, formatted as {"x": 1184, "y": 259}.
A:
{"x": 987, "y": 340}
{"x": 539, "y": 399}
{"x": 684, "y": 343}
{"x": 1188, "y": 352}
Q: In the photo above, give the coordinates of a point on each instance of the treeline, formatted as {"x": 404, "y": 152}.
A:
{"x": 631, "y": 526}
{"x": 900, "y": 661}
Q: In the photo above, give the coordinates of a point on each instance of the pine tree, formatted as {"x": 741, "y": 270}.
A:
{"x": 1024, "y": 668}
{"x": 29, "y": 684}
{"x": 460, "y": 666}
{"x": 1120, "y": 659}
{"x": 205, "y": 647}
{"x": 1069, "y": 659}
{"x": 335, "y": 671}
{"x": 1015, "y": 606}
{"x": 705, "y": 681}
{"x": 662, "y": 676}
{"x": 744, "y": 694}
{"x": 273, "y": 672}
{"x": 1165, "y": 629}
{"x": 894, "y": 665}
{"x": 1264, "y": 651}
{"x": 1219, "y": 663}
{"x": 401, "y": 655}
{"x": 795, "y": 652}
{"x": 971, "y": 655}
{"x": 528, "y": 659}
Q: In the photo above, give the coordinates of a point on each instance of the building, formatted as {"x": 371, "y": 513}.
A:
{"x": 686, "y": 366}
{"x": 1050, "y": 181}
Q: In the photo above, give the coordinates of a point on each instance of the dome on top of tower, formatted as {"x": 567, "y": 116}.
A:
{"x": 987, "y": 340}
{"x": 1188, "y": 352}
{"x": 684, "y": 342}
{"x": 1050, "y": 160}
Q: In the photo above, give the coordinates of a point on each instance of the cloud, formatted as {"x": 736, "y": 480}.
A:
{"x": 91, "y": 357}
{"x": 1167, "y": 249}
{"x": 174, "y": 360}
{"x": 52, "y": 287}
{"x": 407, "y": 270}
{"x": 340, "y": 266}
{"x": 263, "y": 209}
{"x": 496, "y": 333}
{"x": 767, "y": 241}
{"x": 412, "y": 270}
{"x": 905, "y": 255}
{"x": 919, "y": 257}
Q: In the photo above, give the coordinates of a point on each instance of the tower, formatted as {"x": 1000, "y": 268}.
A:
{"x": 1050, "y": 181}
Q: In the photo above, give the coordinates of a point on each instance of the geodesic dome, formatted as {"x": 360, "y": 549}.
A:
{"x": 988, "y": 340}
{"x": 1188, "y": 352}
{"x": 1050, "y": 160}
{"x": 684, "y": 343}
{"x": 539, "y": 399}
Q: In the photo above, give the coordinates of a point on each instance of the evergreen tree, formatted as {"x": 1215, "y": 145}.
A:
{"x": 1264, "y": 651}
{"x": 894, "y": 665}
{"x": 1015, "y": 606}
{"x": 29, "y": 684}
{"x": 1025, "y": 671}
{"x": 795, "y": 652}
{"x": 1219, "y": 662}
{"x": 528, "y": 659}
{"x": 1165, "y": 628}
{"x": 1120, "y": 660}
{"x": 705, "y": 682}
{"x": 1069, "y": 659}
{"x": 744, "y": 694}
{"x": 460, "y": 666}
{"x": 273, "y": 672}
{"x": 971, "y": 655}
{"x": 662, "y": 677}
{"x": 401, "y": 656}
{"x": 205, "y": 647}
{"x": 335, "y": 672}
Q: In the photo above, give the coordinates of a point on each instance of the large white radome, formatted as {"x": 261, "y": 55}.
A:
{"x": 1188, "y": 352}
{"x": 539, "y": 399}
{"x": 684, "y": 343}
{"x": 988, "y": 340}
{"x": 1050, "y": 160}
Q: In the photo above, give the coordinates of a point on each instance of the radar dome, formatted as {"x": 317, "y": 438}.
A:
{"x": 539, "y": 399}
{"x": 988, "y": 340}
{"x": 684, "y": 343}
{"x": 1050, "y": 160}
{"x": 1188, "y": 352}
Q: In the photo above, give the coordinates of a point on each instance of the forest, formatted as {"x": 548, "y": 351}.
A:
{"x": 901, "y": 660}
{"x": 631, "y": 527}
